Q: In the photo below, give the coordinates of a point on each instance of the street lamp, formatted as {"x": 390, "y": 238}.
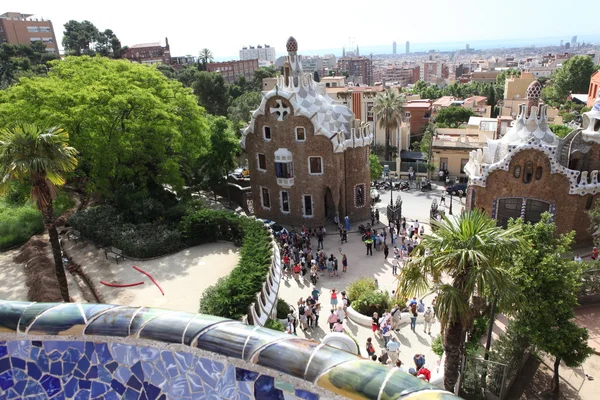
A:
{"x": 450, "y": 210}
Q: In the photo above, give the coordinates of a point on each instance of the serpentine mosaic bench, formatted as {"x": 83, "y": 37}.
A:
{"x": 99, "y": 351}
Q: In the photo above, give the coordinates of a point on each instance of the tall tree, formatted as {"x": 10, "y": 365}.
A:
{"x": 375, "y": 166}
{"x": 212, "y": 92}
{"x": 574, "y": 76}
{"x": 109, "y": 45}
{"x": 453, "y": 116}
{"x": 134, "y": 125}
{"x": 549, "y": 283}
{"x": 239, "y": 112}
{"x": 388, "y": 111}
{"x": 79, "y": 36}
{"x": 468, "y": 249}
{"x": 39, "y": 156}
{"x": 18, "y": 60}
{"x": 206, "y": 56}
{"x": 260, "y": 74}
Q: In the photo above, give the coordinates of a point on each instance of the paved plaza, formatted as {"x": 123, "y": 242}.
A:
{"x": 416, "y": 205}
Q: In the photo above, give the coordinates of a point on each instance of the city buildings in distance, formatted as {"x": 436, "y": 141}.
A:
{"x": 19, "y": 28}
{"x": 149, "y": 53}
{"x": 264, "y": 54}
{"x": 230, "y": 70}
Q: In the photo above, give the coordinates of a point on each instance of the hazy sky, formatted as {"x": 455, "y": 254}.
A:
{"x": 226, "y": 26}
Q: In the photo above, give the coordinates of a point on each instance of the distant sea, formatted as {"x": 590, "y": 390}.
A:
{"x": 444, "y": 46}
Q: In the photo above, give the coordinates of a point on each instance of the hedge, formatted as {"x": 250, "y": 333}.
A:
{"x": 104, "y": 226}
{"x": 366, "y": 299}
{"x": 231, "y": 296}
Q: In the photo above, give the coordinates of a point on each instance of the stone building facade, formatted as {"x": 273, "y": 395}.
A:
{"x": 530, "y": 171}
{"x": 307, "y": 155}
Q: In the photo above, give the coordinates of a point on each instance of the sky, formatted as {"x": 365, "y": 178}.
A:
{"x": 224, "y": 27}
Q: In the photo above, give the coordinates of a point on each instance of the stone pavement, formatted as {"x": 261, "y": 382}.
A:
{"x": 359, "y": 265}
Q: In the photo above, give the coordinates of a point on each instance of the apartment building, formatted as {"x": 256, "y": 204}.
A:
{"x": 230, "y": 70}
{"x": 265, "y": 53}
{"x": 149, "y": 53}
{"x": 19, "y": 28}
{"x": 359, "y": 69}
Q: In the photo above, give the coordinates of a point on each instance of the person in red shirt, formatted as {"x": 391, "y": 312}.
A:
{"x": 297, "y": 269}
{"x": 594, "y": 253}
{"x": 424, "y": 373}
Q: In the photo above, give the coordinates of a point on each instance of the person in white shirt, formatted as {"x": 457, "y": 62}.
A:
{"x": 393, "y": 348}
{"x": 577, "y": 258}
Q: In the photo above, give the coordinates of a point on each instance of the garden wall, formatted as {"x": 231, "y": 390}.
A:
{"x": 58, "y": 350}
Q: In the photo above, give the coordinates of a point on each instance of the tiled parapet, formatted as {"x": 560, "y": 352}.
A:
{"x": 60, "y": 351}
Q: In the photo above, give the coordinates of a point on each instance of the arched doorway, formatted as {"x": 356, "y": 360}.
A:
{"x": 329, "y": 204}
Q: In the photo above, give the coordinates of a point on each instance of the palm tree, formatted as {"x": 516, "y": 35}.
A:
{"x": 39, "y": 156}
{"x": 469, "y": 250}
{"x": 206, "y": 56}
{"x": 388, "y": 111}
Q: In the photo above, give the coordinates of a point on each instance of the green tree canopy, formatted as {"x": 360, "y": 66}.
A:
{"x": 453, "y": 116}
{"x": 574, "y": 76}
{"x": 239, "y": 112}
{"x": 17, "y": 60}
{"x": 260, "y": 74}
{"x": 211, "y": 90}
{"x": 83, "y": 38}
{"x": 549, "y": 283}
{"x": 128, "y": 121}
{"x": 375, "y": 166}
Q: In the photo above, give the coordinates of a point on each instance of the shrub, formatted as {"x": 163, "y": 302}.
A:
{"x": 283, "y": 309}
{"x": 19, "y": 222}
{"x": 436, "y": 346}
{"x": 360, "y": 286}
{"x": 232, "y": 295}
{"x": 205, "y": 226}
{"x": 370, "y": 302}
{"x": 275, "y": 325}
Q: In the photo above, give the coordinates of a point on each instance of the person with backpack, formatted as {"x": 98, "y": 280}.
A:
{"x": 429, "y": 318}
{"x": 396, "y": 314}
{"x": 370, "y": 348}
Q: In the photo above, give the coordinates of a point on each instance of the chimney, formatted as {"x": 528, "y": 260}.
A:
{"x": 167, "y": 43}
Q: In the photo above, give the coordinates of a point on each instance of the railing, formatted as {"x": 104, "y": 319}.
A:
{"x": 266, "y": 300}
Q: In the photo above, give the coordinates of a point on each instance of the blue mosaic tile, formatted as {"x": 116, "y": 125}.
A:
{"x": 3, "y": 349}
{"x": 112, "y": 366}
{"x": 17, "y": 363}
{"x": 70, "y": 387}
{"x": 195, "y": 383}
{"x": 54, "y": 356}
{"x": 6, "y": 380}
{"x": 36, "y": 343}
{"x": 158, "y": 379}
{"x": 19, "y": 375}
{"x": 103, "y": 353}
{"x": 209, "y": 371}
{"x": 178, "y": 387}
{"x": 104, "y": 375}
{"x": 93, "y": 373}
{"x": 32, "y": 388}
{"x": 98, "y": 389}
{"x": 184, "y": 361}
{"x": 20, "y": 387}
{"x": 117, "y": 386}
{"x": 246, "y": 388}
{"x": 12, "y": 394}
{"x": 131, "y": 394}
{"x": 55, "y": 345}
{"x": 169, "y": 361}
{"x": 124, "y": 354}
{"x": 111, "y": 395}
{"x": 42, "y": 361}
{"x": 152, "y": 392}
{"x": 84, "y": 365}
{"x": 56, "y": 368}
{"x": 89, "y": 349}
{"x": 85, "y": 384}
{"x": 138, "y": 371}
{"x": 149, "y": 353}
{"x": 122, "y": 374}
{"x": 19, "y": 348}
{"x": 245, "y": 375}
{"x": 134, "y": 382}
{"x": 264, "y": 389}
{"x": 33, "y": 371}
{"x": 71, "y": 355}
{"x": 68, "y": 367}
{"x": 4, "y": 364}
{"x": 303, "y": 394}
{"x": 82, "y": 395}
{"x": 51, "y": 385}
{"x": 226, "y": 385}
{"x": 147, "y": 368}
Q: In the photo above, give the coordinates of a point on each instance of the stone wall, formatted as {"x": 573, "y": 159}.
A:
{"x": 570, "y": 210}
{"x": 58, "y": 350}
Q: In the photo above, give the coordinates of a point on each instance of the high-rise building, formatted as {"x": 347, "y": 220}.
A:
{"x": 467, "y": 47}
{"x": 18, "y": 28}
{"x": 407, "y": 47}
{"x": 359, "y": 69}
{"x": 260, "y": 53}
{"x": 573, "y": 40}
{"x": 394, "y": 48}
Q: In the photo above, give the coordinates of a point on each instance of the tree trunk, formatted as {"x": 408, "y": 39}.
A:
{"x": 556, "y": 377}
{"x": 387, "y": 144}
{"x": 452, "y": 347}
{"x": 48, "y": 216}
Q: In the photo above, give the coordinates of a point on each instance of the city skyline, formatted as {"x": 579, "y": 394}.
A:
{"x": 191, "y": 27}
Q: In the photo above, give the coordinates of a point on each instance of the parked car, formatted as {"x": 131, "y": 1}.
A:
{"x": 274, "y": 226}
{"x": 374, "y": 194}
{"x": 453, "y": 189}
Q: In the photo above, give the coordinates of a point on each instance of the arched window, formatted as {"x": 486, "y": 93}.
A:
{"x": 528, "y": 172}
{"x": 517, "y": 171}
{"x": 538, "y": 173}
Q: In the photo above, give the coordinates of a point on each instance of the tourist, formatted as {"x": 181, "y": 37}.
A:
{"x": 297, "y": 269}
{"x": 413, "y": 317}
{"x": 316, "y": 311}
{"x": 577, "y": 258}
{"x": 443, "y": 199}
{"x": 395, "y": 266}
{"x": 344, "y": 261}
{"x": 421, "y": 306}
{"x": 336, "y": 221}
{"x": 375, "y": 323}
{"x": 412, "y": 371}
{"x": 396, "y": 314}
{"x": 347, "y": 221}
{"x": 369, "y": 347}
{"x": 344, "y": 301}
{"x": 377, "y": 216}
{"x": 386, "y": 332}
{"x": 338, "y": 326}
{"x": 333, "y": 301}
{"x": 309, "y": 314}
{"x": 429, "y": 318}
{"x": 594, "y": 255}
{"x": 384, "y": 358}
{"x": 341, "y": 314}
{"x": 374, "y": 357}
{"x": 424, "y": 373}
{"x": 332, "y": 319}
{"x": 393, "y": 348}
{"x": 320, "y": 235}
{"x": 330, "y": 265}
{"x": 422, "y": 230}
{"x": 386, "y": 251}
{"x": 433, "y": 303}
{"x": 399, "y": 366}
{"x": 384, "y": 234}
{"x": 335, "y": 266}
{"x": 419, "y": 360}
{"x": 372, "y": 217}
{"x": 441, "y": 175}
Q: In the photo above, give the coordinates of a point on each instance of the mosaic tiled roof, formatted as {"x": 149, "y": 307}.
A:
{"x": 101, "y": 348}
